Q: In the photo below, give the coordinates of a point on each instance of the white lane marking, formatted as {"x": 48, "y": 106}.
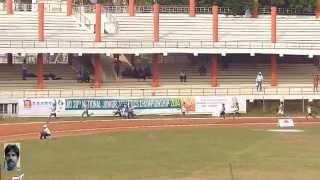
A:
{"x": 146, "y": 127}
{"x": 124, "y": 120}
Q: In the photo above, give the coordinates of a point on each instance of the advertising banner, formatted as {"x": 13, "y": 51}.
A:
{"x": 42, "y": 107}
{"x": 213, "y": 104}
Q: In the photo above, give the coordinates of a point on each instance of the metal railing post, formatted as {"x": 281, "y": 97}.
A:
{"x": 289, "y": 91}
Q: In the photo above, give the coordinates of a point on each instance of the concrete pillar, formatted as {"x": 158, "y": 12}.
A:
{"x": 156, "y": 11}
{"x": 97, "y": 71}
{"x": 9, "y": 58}
{"x": 98, "y": 23}
{"x": 273, "y": 24}
{"x": 274, "y": 79}
{"x": 215, "y": 23}
{"x": 317, "y": 10}
{"x": 214, "y": 70}
{"x": 69, "y": 7}
{"x": 40, "y": 71}
{"x": 9, "y": 8}
{"x": 255, "y": 9}
{"x": 192, "y": 8}
{"x": 41, "y": 22}
{"x": 156, "y": 70}
{"x": 131, "y": 8}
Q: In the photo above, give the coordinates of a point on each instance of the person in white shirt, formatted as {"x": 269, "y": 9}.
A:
{"x": 281, "y": 109}
{"x": 53, "y": 110}
{"x": 309, "y": 112}
{"x": 45, "y": 132}
{"x": 259, "y": 81}
{"x": 236, "y": 111}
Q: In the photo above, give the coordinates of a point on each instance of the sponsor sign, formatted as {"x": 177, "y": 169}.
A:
{"x": 42, "y": 107}
{"x": 213, "y": 104}
{"x": 285, "y": 123}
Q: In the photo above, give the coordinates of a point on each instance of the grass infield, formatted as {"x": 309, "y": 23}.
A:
{"x": 183, "y": 154}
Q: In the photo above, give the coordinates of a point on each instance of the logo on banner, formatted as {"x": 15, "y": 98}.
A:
{"x": 189, "y": 103}
{"x": 27, "y": 104}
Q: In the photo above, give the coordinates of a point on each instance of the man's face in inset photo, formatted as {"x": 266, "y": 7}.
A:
{"x": 11, "y": 156}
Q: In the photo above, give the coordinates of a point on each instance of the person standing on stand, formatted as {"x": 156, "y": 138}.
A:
{"x": 315, "y": 82}
{"x": 259, "y": 82}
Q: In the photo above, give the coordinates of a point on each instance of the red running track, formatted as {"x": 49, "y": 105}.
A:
{"x": 20, "y": 131}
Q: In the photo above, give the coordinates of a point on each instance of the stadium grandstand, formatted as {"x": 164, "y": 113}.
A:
{"x": 159, "y": 89}
{"x": 66, "y": 49}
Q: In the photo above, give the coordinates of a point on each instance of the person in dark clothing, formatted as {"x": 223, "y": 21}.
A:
{"x": 118, "y": 111}
{"x": 315, "y": 82}
{"x": 24, "y": 72}
{"x": 147, "y": 71}
{"x": 202, "y": 70}
{"x": 85, "y": 113}
{"x": 223, "y": 111}
{"x": 117, "y": 67}
{"x": 140, "y": 74}
{"x": 183, "y": 76}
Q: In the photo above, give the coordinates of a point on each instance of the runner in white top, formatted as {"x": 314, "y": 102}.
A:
{"x": 309, "y": 112}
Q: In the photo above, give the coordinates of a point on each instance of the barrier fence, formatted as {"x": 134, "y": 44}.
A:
{"x": 61, "y": 7}
{"x": 184, "y": 44}
{"x": 147, "y": 92}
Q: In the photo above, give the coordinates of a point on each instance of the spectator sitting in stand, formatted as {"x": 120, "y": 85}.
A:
{"x": 202, "y": 70}
{"x": 26, "y": 74}
{"x": 147, "y": 71}
{"x": 183, "y": 76}
{"x": 135, "y": 72}
{"x": 127, "y": 72}
{"x": 51, "y": 76}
